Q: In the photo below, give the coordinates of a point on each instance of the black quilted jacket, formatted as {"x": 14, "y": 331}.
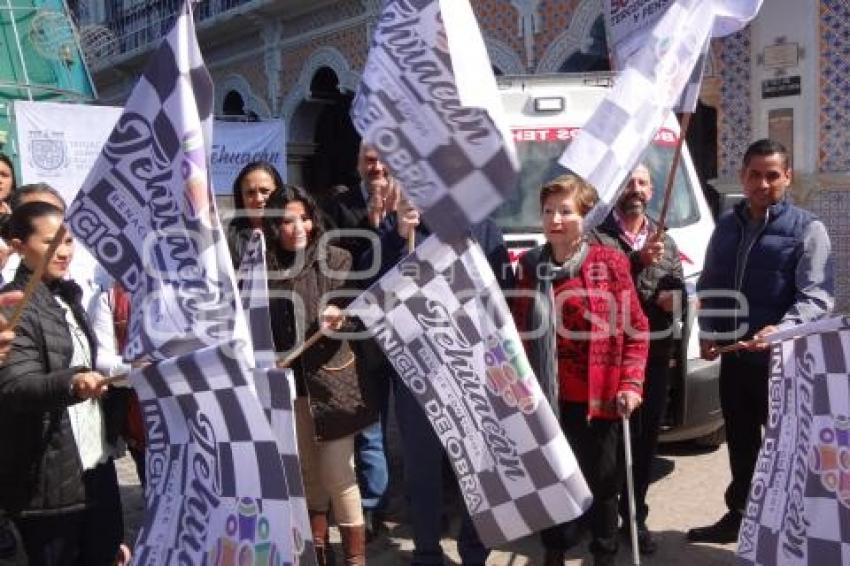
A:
{"x": 40, "y": 470}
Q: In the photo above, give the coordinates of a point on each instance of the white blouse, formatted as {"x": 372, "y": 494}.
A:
{"x": 86, "y": 416}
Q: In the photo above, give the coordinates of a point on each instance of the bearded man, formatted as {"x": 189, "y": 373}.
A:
{"x": 658, "y": 276}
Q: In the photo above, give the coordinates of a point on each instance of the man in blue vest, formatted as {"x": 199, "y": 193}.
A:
{"x": 768, "y": 266}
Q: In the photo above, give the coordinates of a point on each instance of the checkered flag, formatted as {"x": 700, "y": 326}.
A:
{"x": 147, "y": 214}
{"x": 429, "y": 105}
{"x": 442, "y": 321}
{"x": 623, "y": 125}
{"x": 628, "y": 26}
{"x": 276, "y": 392}
{"x": 275, "y": 388}
{"x": 798, "y": 512}
{"x": 216, "y": 487}
{"x": 690, "y": 94}
{"x": 254, "y": 290}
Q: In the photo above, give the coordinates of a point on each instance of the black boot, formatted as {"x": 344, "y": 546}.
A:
{"x": 723, "y": 531}
{"x": 374, "y": 520}
{"x": 646, "y": 540}
{"x": 604, "y": 551}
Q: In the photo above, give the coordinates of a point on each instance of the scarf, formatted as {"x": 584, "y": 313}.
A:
{"x": 543, "y": 318}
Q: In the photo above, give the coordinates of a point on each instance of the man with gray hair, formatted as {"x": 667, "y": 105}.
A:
{"x": 363, "y": 208}
{"x": 659, "y": 279}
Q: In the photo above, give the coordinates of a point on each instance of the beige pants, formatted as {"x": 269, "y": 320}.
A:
{"x": 328, "y": 470}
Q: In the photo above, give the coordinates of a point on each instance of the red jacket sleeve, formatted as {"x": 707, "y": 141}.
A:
{"x": 635, "y": 329}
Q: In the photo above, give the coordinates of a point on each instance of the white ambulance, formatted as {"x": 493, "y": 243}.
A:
{"x": 544, "y": 113}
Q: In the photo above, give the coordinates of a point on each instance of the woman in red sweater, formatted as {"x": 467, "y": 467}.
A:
{"x": 586, "y": 337}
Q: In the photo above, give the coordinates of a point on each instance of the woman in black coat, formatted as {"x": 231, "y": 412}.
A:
{"x": 333, "y": 403}
{"x": 57, "y": 478}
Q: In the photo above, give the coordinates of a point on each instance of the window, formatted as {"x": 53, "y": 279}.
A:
{"x": 539, "y": 163}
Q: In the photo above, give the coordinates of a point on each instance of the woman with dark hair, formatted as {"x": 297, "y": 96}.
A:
{"x": 57, "y": 478}
{"x": 7, "y": 182}
{"x": 589, "y": 351}
{"x": 7, "y": 187}
{"x": 333, "y": 403}
{"x": 251, "y": 190}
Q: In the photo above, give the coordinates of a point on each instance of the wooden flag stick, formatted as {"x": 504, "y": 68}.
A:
{"x": 674, "y": 167}
{"x": 735, "y": 347}
{"x": 121, "y": 377}
{"x": 35, "y": 279}
{"x": 411, "y": 241}
{"x": 301, "y": 349}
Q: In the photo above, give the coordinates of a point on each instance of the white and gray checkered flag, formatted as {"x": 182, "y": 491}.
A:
{"x": 276, "y": 392}
{"x": 275, "y": 388}
{"x": 443, "y": 323}
{"x": 653, "y": 82}
{"x": 628, "y": 26}
{"x": 216, "y": 488}
{"x": 147, "y": 214}
{"x": 429, "y": 105}
{"x": 690, "y": 94}
{"x": 798, "y": 512}
{"x": 254, "y": 290}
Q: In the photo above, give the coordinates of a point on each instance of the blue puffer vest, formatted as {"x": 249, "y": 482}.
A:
{"x": 768, "y": 278}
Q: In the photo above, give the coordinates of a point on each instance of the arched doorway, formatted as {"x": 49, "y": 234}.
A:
{"x": 335, "y": 159}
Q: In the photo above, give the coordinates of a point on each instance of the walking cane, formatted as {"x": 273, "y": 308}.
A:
{"x": 630, "y": 487}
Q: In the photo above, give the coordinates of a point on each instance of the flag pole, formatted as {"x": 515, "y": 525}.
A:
{"x": 411, "y": 241}
{"x": 674, "y": 167}
{"x": 35, "y": 279}
{"x": 301, "y": 349}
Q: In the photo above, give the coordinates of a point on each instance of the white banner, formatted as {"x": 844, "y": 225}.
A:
{"x": 235, "y": 144}
{"x": 59, "y": 143}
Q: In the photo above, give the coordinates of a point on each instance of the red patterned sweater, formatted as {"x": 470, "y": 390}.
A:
{"x": 613, "y": 339}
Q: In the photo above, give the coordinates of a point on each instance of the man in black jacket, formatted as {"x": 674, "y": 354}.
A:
{"x": 356, "y": 213}
{"x": 658, "y": 276}
{"x": 421, "y": 448}
{"x": 361, "y": 207}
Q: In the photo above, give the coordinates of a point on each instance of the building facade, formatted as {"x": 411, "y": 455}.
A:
{"x": 787, "y": 76}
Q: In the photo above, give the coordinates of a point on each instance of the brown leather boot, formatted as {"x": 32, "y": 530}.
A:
{"x": 354, "y": 544}
{"x": 321, "y": 537}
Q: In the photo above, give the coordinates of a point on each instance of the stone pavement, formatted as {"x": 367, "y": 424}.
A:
{"x": 690, "y": 493}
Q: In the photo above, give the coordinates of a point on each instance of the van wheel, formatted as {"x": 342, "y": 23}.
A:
{"x": 712, "y": 440}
